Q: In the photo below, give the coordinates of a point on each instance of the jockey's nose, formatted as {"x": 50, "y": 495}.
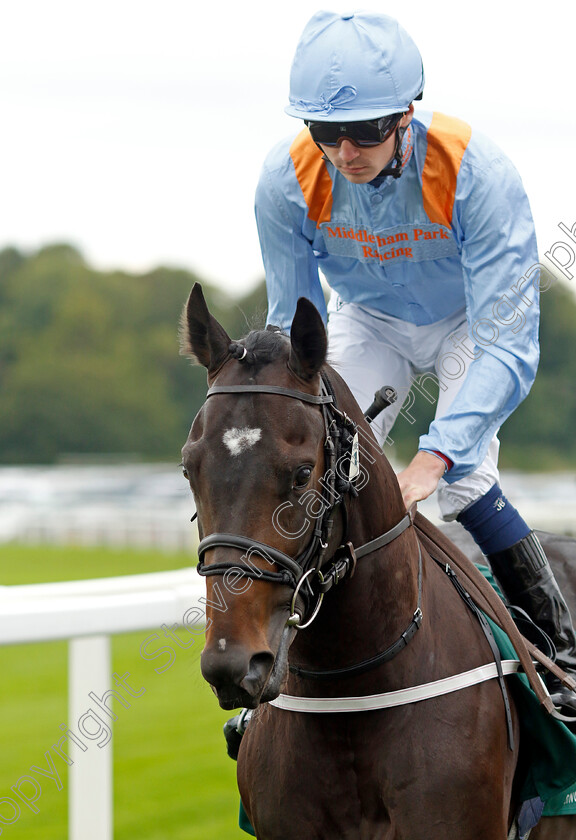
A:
{"x": 348, "y": 150}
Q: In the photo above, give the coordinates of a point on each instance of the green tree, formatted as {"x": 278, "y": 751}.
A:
{"x": 540, "y": 433}
{"x": 89, "y": 364}
{"x": 89, "y": 361}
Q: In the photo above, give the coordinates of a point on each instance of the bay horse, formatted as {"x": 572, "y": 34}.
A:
{"x": 292, "y": 508}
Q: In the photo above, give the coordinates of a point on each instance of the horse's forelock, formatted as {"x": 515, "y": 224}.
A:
{"x": 262, "y": 347}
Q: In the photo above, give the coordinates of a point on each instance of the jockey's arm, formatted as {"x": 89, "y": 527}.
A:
{"x": 500, "y": 270}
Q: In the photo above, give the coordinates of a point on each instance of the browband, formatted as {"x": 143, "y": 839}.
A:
{"x": 321, "y": 399}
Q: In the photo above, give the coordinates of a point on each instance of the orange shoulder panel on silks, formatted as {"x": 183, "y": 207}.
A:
{"x": 313, "y": 177}
{"x": 448, "y": 139}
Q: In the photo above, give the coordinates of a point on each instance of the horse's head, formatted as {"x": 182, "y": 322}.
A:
{"x": 256, "y": 461}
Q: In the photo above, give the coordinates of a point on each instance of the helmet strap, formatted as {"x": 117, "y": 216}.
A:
{"x": 395, "y": 171}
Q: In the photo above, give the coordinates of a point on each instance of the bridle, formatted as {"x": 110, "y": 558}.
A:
{"x": 292, "y": 569}
{"x": 341, "y": 444}
{"x": 340, "y": 449}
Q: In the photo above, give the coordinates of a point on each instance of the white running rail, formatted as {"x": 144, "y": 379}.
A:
{"x": 87, "y": 613}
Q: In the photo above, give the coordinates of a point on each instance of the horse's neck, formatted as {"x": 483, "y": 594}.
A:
{"x": 368, "y": 612}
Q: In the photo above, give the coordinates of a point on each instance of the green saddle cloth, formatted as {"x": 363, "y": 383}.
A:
{"x": 550, "y": 747}
{"x": 549, "y": 744}
{"x": 244, "y": 822}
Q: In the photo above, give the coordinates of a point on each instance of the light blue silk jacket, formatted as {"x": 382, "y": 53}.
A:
{"x": 454, "y": 232}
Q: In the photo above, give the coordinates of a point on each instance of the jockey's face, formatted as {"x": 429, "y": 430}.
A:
{"x": 361, "y": 164}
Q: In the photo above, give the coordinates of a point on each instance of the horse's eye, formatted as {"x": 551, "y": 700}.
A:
{"x": 185, "y": 472}
{"x": 302, "y": 476}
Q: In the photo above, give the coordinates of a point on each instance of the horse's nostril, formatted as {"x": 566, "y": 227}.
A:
{"x": 220, "y": 670}
{"x": 259, "y": 669}
{"x": 236, "y": 678}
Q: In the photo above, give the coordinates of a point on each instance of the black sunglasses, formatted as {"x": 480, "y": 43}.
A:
{"x": 363, "y": 133}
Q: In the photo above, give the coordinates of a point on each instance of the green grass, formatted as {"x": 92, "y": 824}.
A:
{"x": 172, "y": 777}
{"x": 48, "y": 564}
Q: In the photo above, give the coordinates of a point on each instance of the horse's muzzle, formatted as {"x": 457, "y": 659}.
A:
{"x": 237, "y": 677}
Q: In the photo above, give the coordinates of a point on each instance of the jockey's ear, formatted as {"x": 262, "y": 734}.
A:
{"x": 308, "y": 340}
{"x": 202, "y": 338}
{"x": 407, "y": 118}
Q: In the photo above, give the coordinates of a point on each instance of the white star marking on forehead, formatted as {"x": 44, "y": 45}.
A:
{"x": 239, "y": 440}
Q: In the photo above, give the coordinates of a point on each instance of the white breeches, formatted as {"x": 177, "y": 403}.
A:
{"x": 370, "y": 349}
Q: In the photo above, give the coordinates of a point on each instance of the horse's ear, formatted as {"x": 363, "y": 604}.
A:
{"x": 202, "y": 338}
{"x": 308, "y": 340}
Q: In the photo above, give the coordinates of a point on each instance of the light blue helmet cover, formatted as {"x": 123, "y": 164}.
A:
{"x": 357, "y": 66}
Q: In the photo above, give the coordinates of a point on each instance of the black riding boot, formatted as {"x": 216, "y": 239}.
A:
{"x": 528, "y": 582}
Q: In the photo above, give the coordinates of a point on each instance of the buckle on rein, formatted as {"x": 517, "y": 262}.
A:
{"x": 343, "y": 565}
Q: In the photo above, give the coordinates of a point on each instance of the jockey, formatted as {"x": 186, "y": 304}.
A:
{"x": 423, "y": 231}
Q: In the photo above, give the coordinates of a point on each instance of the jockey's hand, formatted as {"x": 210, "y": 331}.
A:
{"x": 420, "y": 478}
